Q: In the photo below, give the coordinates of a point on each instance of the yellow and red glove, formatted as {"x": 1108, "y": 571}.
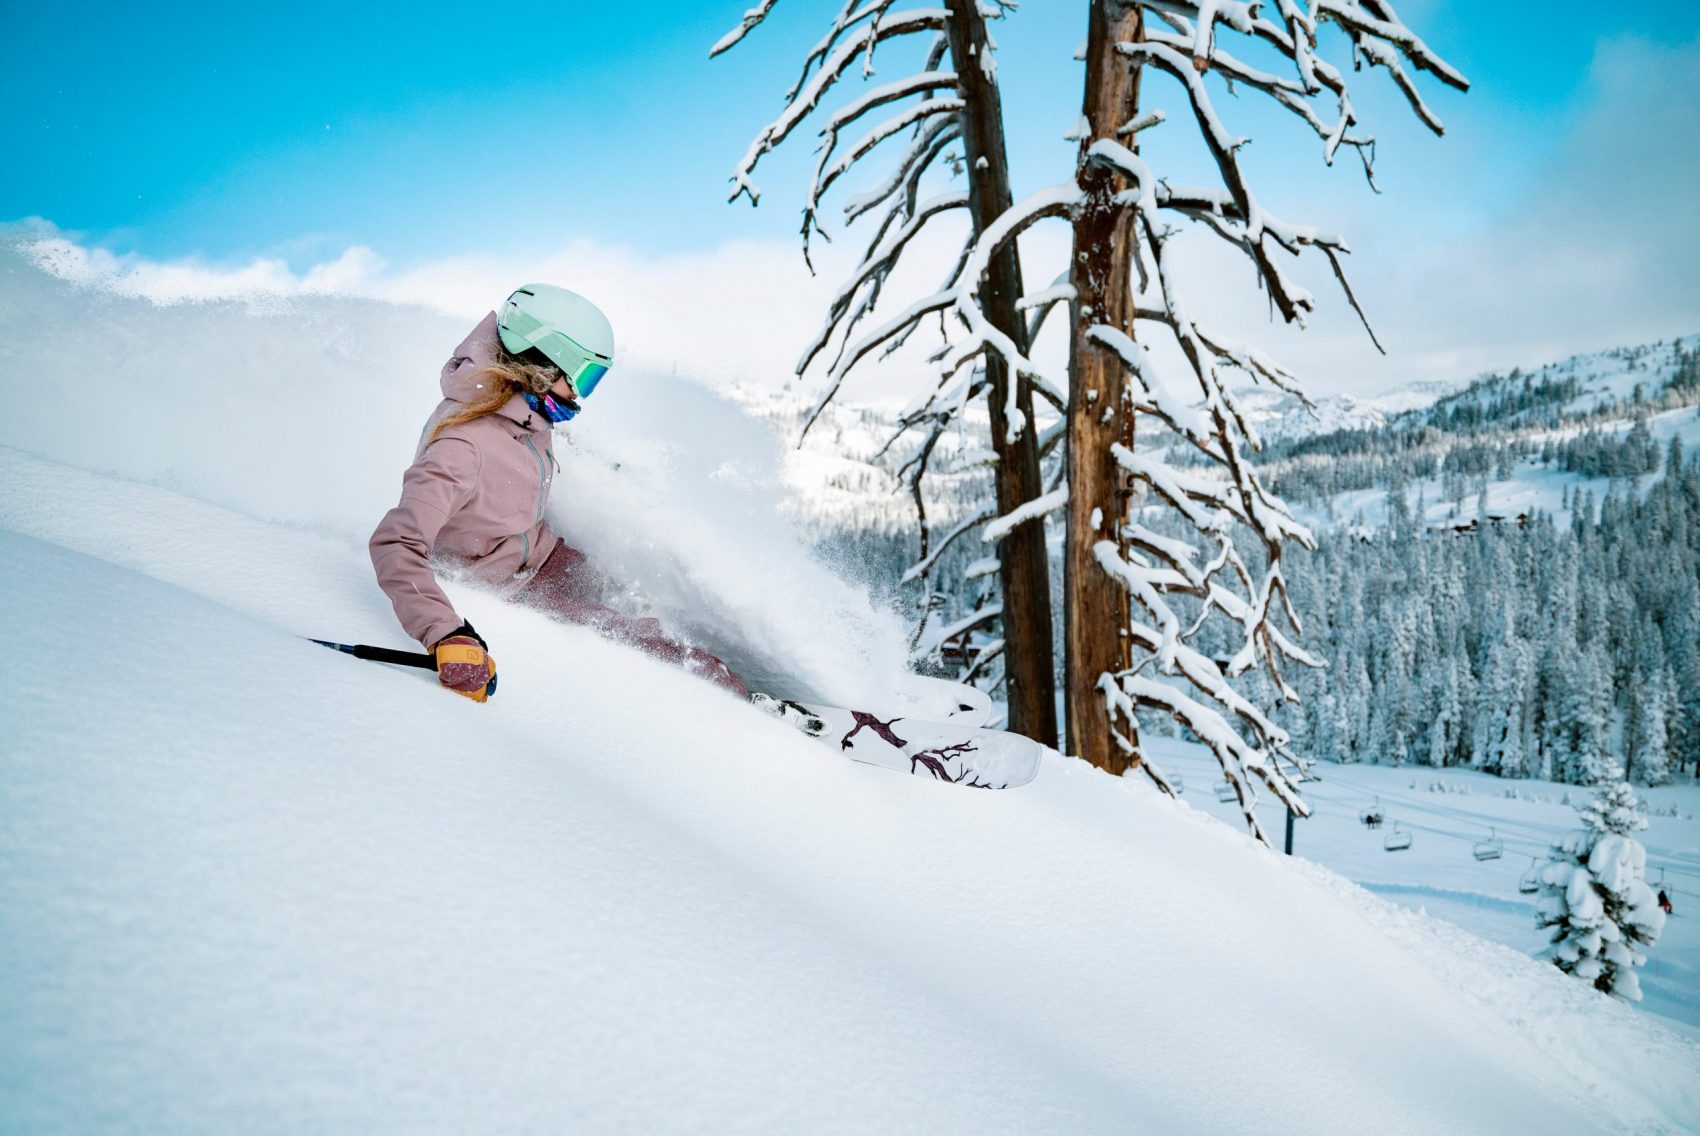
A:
{"x": 464, "y": 664}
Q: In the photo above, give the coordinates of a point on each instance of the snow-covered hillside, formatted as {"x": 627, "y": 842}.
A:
{"x": 1582, "y": 384}
{"x": 1530, "y": 484}
{"x": 1513, "y": 414}
{"x": 1585, "y": 383}
{"x": 1278, "y": 416}
{"x": 247, "y": 884}
{"x": 253, "y": 885}
{"x": 841, "y": 474}
{"x": 839, "y": 480}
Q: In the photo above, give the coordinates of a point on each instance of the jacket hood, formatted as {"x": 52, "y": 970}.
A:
{"x": 462, "y": 375}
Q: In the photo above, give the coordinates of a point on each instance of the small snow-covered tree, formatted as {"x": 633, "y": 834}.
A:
{"x": 1594, "y": 894}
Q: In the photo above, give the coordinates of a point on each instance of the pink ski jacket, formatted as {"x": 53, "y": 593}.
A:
{"x": 473, "y": 498}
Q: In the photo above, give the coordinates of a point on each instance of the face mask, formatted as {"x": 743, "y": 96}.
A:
{"x": 552, "y": 407}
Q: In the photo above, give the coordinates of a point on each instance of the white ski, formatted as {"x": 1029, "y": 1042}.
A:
{"x": 945, "y": 751}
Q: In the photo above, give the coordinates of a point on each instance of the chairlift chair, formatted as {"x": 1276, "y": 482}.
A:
{"x": 1490, "y": 849}
{"x": 1530, "y": 883}
{"x": 1396, "y": 841}
{"x": 1372, "y": 816}
{"x": 1225, "y": 793}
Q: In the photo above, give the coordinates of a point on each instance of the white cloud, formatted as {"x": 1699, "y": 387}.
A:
{"x": 1600, "y": 252}
{"x": 192, "y": 280}
{"x": 741, "y": 312}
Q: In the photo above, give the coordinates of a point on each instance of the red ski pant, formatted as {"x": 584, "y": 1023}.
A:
{"x": 569, "y": 588}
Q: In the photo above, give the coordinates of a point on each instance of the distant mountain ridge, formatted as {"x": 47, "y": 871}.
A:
{"x": 1578, "y": 385}
{"x": 842, "y": 475}
{"x": 1500, "y": 445}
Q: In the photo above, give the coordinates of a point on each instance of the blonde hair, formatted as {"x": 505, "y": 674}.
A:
{"x": 500, "y": 381}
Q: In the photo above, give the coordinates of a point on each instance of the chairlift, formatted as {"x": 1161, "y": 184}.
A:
{"x": 1226, "y": 793}
{"x": 1530, "y": 883}
{"x": 1372, "y": 816}
{"x": 1398, "y": 840}
{"x": 1490, "y": 849}
{"x": 1178, "y": 784}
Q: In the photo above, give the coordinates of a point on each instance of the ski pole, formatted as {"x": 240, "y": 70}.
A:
{"x": 382, "y": 654}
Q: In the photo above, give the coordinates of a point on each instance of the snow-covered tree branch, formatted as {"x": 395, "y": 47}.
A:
{"x": 1155, "y": 565}
{"x": 951, "y": 100}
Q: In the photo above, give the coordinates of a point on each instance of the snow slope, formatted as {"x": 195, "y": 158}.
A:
{"x": 1447, "y": 814}
{"x": 306, "y": 410}
{"x": 1533, "y": 485}
{"x": 1602, "y": 378}
{"x": 1598, "y": 385}
{"x": 247, "y": 884}
{"x": 1277, "y": 415}
{"x": 253, "y": 885}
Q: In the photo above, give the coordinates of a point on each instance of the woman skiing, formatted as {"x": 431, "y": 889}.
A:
{"x": 475, "y": 494}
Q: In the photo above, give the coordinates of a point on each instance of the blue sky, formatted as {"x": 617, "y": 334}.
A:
{"x": 430, "y": 130}
{"x": 418, "y": 129}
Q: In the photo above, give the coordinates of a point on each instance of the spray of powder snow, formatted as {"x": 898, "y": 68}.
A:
{"x": 675, "y": 492}
{"x": 306, "y": 409}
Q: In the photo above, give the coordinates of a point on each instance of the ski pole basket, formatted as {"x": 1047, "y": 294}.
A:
{"x": 1396, "y": 841}
{"x": 1490, "y": 849}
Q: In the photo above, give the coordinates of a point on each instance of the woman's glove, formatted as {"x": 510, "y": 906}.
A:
{"x": 464, "y": 664}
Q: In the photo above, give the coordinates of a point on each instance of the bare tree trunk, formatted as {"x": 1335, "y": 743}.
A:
{"x": 1100, "y": 492}
{"x": 1028, "y": 657}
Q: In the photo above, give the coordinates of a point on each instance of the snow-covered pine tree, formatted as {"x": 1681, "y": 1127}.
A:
{"x": 1574, "y": 635}
{"x": 953, "y": 98}
{"x": 1648, "y": 741}
{"x": 1594, "y": 894}
{"x": 1137, "y": 597}
{"x": 1445, "y": 723}
{"x": 1685, "y": 666}
{"x": 1584, "y": 724}
{"x": 1499, "y": 714}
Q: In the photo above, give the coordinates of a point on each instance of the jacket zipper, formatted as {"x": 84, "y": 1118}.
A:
{"x": 542, "y": 491}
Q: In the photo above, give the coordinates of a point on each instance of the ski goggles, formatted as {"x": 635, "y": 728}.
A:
{"x": 588, "y": 375}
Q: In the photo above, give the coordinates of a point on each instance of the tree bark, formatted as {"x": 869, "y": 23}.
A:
{"x": 1030, "y": 677}
{"x": 1100, "y": 413}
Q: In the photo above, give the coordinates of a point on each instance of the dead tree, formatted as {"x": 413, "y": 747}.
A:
{"x": 952, "y": 100}
{"x": 1101, "y": 491}
{"x": 1153, "y": 554}
{"x": 1124, "y": 284}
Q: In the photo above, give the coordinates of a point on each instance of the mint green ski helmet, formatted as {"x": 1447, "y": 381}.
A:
{"x": 568, "y": 329}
